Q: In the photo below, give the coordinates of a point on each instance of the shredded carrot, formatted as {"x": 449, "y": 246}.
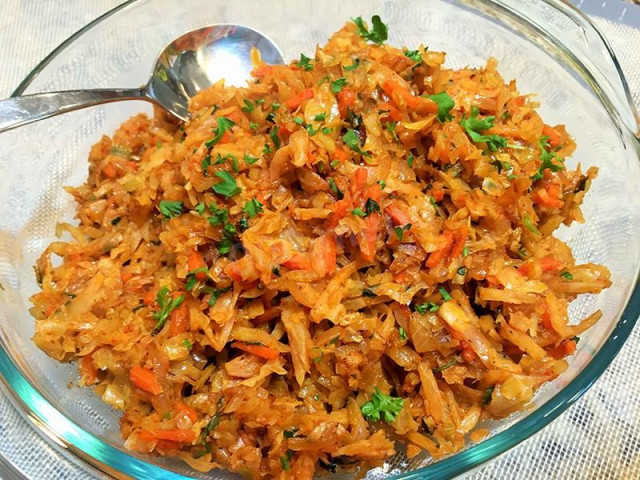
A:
{"x": 145, "y": 379}
{"x": 396, "y": 91}
{"x": 439, "y": 255}
{"x": 149, "y": 297}
{"x": 554, "y": 138}
{"x": 298, "y": 261}
{"x": 323, "y": 254}
{"x": 179, "y": 321}
{"x": 196, "y": 262}
{"x": 110, "y": 171}
{"x": 261, "y": 351}
{"x": 397, "y": 214}
{"x": 175, "y": 435}
{"x": 294, "y": 102}
{"x": 125, "y": 277}
{"x": 346, "y": 100}
{"x": 89, "y": 370}
{"x": 182, "y": 407}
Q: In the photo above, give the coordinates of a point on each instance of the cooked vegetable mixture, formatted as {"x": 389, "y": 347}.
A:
{"x": 354, "y": 250}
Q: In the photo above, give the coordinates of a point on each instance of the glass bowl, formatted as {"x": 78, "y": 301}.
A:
{"x": 547, "y": 46}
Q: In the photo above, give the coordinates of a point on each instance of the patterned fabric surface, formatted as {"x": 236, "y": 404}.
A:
{"x": 597, "y": 438}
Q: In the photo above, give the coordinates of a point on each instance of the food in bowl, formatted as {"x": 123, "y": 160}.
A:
{"x": 354, "y": 250}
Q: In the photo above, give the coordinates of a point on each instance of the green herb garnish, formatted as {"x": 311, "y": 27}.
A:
{"x": 170, "y": 209}
{"x": 273, "y": 134}
{"x": 547, "y": 158}
{"x": 378, "y": 33}
{"x": 445, "y": 104}
{"x": 382, "y": 406}
{"x": 337, "y": 85}
{"x": 445, "y": 295}
{"x": 474, "y": 125}
{"x": 227, "y": 186}
{"x": 304, "y": 62}
{"x": 414, "y": 55}
{"x": 352, "y": 141}
{"x": 167, "y": 305}
{"x": 356, "y": 64}
{"x": 224, "y": 124}
{"x": 334, "y": 188}
{"x": 252, "y": 208}
{"x": 528, "y": 223}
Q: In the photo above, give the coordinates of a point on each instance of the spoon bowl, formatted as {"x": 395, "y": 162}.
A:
{"x": 203, "y": 57}
{"x": 188, "y": 65}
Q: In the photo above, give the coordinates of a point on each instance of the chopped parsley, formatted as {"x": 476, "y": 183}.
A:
{"x": 474, "y": 125}
{"x": 371, "y": 206}
{"x": 248, "y": 106}
{"x": 391, "y": 128}
{"x": 547, "y": 158}
{"x": 200, "y": 208}
{"x": 445, "y": 295}
{"x": 414, "y": 55}
{"x": 337, "y": 85}
{"x": 285, "y": 461}
{"x": 426, "y": 307}
{"x": 216, "y": 293}
{"x": 291, "y": 433}
{"x": 276, "y": 271}
{"x": 382, "y": 184}
{"x": 273, "y": 134}
{"x": 400, "y": 231}
{"x": 465, "y": 251}
{"x": 462, "y": 271}
{"x": 566, "y": 275}
{"x": 449, "y": 364}
{"x": 356, "y": 64}
{"x": 334, "y": 188}
{"x": 224, "y": 124}
{"x": 402, "y": 332}
{"x": 252, "y": 208}
{"x": 220, "y": 215}
{"x": 227, "y": 186}
{"x": 358, "y": 212}
{"x": 229, "y": 232}
{"x": 320, "y": 117}
{"x": 486, "y": 396}
{"x": 206, "y": 163}
{"x": 352, "y": 141}
{"x": 382, "y": 406}
{"x": 445, "y": 104}
{"x": 170, "y": 209}
{"x": 367, "y": 292}
{"x": 187, "y": 343}
{"x": 378, "y": 33}
{"x": 410, "y": 159}
{"x": 192, "y": 277}
{"x": 167, "y": 305}
{"x": 528, "y": 223}
{"x": 304, "y": 62}
{"x": 249, "y": 159}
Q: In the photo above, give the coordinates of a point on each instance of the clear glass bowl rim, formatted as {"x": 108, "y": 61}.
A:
{"x": 86, "y": 447}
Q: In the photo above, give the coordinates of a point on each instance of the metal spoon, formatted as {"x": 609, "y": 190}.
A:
{"x": 189, "y": 64}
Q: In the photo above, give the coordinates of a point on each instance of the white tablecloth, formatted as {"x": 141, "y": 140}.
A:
{"x": 596, "y": 439}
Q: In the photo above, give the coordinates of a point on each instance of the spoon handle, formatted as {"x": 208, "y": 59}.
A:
{"x": 18, "y": 111}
